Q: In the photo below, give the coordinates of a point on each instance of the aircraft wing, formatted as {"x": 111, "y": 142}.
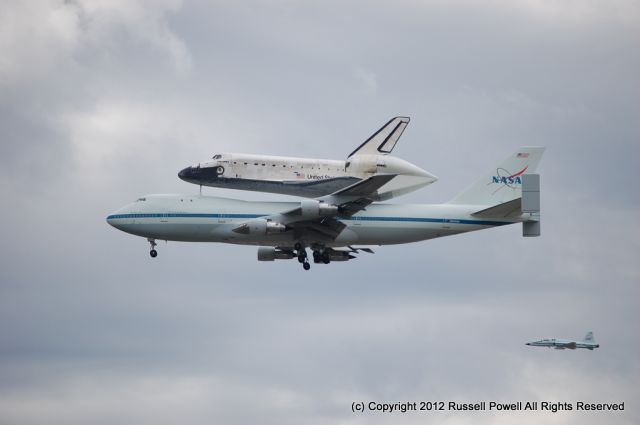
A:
{"x": 356, "y": 197}
{"x": 351, "y": 199}
{"x": 318, "y": 219}
{"x": 570, "y": 345}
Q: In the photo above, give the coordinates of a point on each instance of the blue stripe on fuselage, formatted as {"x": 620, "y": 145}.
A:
{"x": 353, "y": 218}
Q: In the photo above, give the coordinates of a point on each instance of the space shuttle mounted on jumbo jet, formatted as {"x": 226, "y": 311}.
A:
{"x": 312, "y": 178}
{"x": 333, "y": 226}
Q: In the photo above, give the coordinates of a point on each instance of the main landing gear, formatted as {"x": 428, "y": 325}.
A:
{"x": 321, "y": 257}
{"x": 153, "y": 253}
{"x": 302, "y": 255}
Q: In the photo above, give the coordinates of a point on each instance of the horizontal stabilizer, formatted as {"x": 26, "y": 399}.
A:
{"x": 384, "y": 140}
{"x": 504, "y": 210}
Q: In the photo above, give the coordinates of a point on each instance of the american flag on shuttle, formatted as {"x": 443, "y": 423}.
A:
{"x": 299, "y": 174}
{"x": 523, "y": 155}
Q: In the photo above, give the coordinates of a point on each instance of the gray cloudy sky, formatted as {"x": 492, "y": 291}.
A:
{"x": 102, "y": 101}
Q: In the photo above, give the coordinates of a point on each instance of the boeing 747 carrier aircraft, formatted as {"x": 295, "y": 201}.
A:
{"x": 332, "y": 225}
{"x": 560, "y": 344}
{"x": 312, "y": 178}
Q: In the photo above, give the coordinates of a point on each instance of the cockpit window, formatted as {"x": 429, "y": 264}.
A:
{"x": 141, "y": 199}
{"x": 218, "y": 156}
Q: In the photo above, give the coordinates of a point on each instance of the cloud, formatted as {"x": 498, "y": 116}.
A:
{"x": 368, "y": 79}
{"x": 101, "y": 102}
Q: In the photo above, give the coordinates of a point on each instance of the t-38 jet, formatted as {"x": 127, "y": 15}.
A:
{"x": 330, "y": 226}
{"x": 312, "y": 178}
{"x": 560, "y": 344}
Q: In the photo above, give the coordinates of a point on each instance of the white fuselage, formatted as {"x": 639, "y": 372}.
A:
{"x": 304, "y": 176}
{"x": 211, "y": 219}
{"x": 561, "y": 344}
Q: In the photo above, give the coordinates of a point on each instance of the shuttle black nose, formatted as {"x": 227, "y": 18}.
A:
{"x": 199, "y": 175}
{"x": 185, "y": 173}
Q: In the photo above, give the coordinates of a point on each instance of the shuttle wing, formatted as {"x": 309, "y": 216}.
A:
{"x": 384, "y": 140}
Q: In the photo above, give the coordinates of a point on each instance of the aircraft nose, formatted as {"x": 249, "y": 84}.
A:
{"x": 199, "y": 174}
{"x": 116, "y": 220}
{"x": 185, "y": 173}
{"x": 528, "y": 343}
{"x": 121, "y": 218}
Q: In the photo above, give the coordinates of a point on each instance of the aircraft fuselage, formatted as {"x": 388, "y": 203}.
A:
{"x": 304, "y": 177}
{"x": 211, "y": 219}
{"x": 562, "y": 344}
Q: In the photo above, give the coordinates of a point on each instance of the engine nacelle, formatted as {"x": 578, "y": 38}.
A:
{"x": 268, "y": 253}
{"x": 312, "y": 208}
{"x": 260, "y": 226}
{"x": 340, "y": 256}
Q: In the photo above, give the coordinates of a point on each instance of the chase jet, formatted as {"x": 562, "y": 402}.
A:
{"x": 560, "y": 344}
{"x": 332, "y": 226}
{"x": 312, "y": 178}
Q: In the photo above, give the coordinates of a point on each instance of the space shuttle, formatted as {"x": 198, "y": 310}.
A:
{"x": 313, "y": 178}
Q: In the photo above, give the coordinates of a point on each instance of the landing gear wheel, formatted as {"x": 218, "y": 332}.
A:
{"x": 325, "y": 258}
{"x": 302, "y": 253}
{"x": 220, "y": 170}
{"x": 306, "y": 266}
{"x": 153, "y": 253}
{"x": 316, "y": 257}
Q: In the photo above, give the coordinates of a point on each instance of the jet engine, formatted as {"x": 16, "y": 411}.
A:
{"x": 312, "y": 208}
{"x": 260, "y": 226}
{"x": 268, "y": 253}
{"x": 329, "y": 254}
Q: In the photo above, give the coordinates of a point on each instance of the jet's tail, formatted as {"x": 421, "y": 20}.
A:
{"x": 503, "y": 183}
{"x": 589, "y": 337}
{"x": 384, "y": 140}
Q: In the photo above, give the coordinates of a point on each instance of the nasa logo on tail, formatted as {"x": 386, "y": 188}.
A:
{"x": 505, "y": 178}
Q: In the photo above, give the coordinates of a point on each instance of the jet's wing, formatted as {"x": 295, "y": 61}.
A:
{"x": 319, "y": 219}
{"x": 570, "y": 345}
{"x": 356, "y": 197}
{"x": 384, "y": 140}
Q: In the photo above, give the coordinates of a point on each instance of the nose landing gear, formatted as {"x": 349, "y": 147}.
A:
{"x": 153, "y": 253}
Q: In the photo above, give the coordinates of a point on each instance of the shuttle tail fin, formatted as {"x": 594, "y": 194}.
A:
{"x": 504, "y": 182}
{"x": 384, "y": 140}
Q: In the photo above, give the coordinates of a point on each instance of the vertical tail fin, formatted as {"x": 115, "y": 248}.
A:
{"x": 384, "y": 140}
{"x": 504, "y": 182}
{"x": 589, "y": 337}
